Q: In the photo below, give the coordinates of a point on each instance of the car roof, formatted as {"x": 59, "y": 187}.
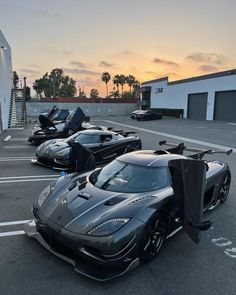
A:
{"x": 150, "y": 158}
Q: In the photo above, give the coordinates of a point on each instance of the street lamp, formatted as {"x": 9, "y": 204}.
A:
{"x": 4, "y": 47}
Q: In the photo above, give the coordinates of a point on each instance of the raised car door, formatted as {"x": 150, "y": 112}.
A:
{"x": 74, "y": 123}
{"x": 45, "y": 122}
{"x": 188, "y": 181}
{"x": 52, "y": 112}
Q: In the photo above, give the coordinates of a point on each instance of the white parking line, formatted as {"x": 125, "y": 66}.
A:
{"x": 29, "y": 176}
{"x": 19, "y": 139}
{"x": 12, "y": 233}
{"x": 27, "y": 180}
{"x": 17, "y": 147}
{"x": 14, "y": 160}
{"x": 10, "y": 158}
{"x": 204, "y": 143}
{"x": 7, "y": 223}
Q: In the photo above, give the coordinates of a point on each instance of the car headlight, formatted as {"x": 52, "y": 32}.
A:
{"x": 108, "y": 227}
{"x": 40, "y": 147}
{"x": 43, "y": 196}
{"x": 60, "y": 155}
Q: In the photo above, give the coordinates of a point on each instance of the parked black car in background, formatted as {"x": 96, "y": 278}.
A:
{"x": 134, "y": 113}
{"x": 106, "y": 145}
{"x": 147, "y": 115}
{"x": 49, "y": 130}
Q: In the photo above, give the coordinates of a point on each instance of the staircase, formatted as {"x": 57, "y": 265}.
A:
{"x": 17, "y": 116}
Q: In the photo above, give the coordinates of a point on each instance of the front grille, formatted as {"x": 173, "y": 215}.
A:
{"x": 57, "y": 246}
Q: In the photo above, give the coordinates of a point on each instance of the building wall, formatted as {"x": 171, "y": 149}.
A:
{"x": 90, "y": 109}
{"x": 175, "y": 96}
{"x": 5, "y": 79}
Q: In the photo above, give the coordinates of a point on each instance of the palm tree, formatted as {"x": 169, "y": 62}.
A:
{"x": 122, "y": 81}
{"x": 106, "y": 78}
{"x": 116, "y": 81}
{"x": 130, "y": 81}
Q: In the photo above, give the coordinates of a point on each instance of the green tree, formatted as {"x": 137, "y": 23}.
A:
{"x": 15, "y": 79}
{"x": 38, "y": 87}
{"x": 127, "y": 95}
{"x": 130, "y": 81}
{"x": 56, "y": 81}
{"x": 136, "y": 87}
{"x": 67, "y": 87}
{"x": 55, "y": 84}
{"x": 81, "y": 93}
{"x": 106, "y": 78}
{"x": 94, "y": 93}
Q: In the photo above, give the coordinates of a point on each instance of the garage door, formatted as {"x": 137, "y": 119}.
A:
{"x": 197, "y": 106}
{"x": 225, "y": 106}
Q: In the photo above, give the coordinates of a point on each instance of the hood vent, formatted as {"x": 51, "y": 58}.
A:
{"x": 115, "y": 201}
{"x": 84, "y": 196}
{"x": 144, "y": 198}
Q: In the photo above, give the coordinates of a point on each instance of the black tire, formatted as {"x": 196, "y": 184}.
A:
{"x": 153, "y": 238}
{"x": 224, "y": 187}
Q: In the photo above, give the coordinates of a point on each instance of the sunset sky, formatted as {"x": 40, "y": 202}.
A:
{"x": 148, "y": 39}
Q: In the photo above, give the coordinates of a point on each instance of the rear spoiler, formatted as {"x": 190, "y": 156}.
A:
{"x": 199, "y": 153}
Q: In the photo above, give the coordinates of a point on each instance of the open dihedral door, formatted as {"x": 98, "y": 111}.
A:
{"x": 51, "y": 113}
{"x": 82, "y": 158}
{"x": 75, "y": 120}
{"x": 189, "y": 178}
{"x": 45, "y": 122}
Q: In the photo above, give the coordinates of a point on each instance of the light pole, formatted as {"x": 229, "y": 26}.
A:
{"x": 24, "y": 103}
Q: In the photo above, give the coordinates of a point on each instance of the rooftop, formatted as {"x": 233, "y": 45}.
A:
{"x": 192, "y": 79}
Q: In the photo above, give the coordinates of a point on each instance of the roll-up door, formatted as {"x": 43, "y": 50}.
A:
{"x": 197, "y": 106}
{"x": 225, "y": 106}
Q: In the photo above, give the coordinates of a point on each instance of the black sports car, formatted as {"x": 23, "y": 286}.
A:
{"x": 147, "y": 115}
{"x": 105, "y": 221}
{"x": 105, "y": 145}
{"x": 49, "y": 130}
{"x": 134, "y": 113}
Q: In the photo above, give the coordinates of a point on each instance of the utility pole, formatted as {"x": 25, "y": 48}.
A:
{"x": 24, "y": 103}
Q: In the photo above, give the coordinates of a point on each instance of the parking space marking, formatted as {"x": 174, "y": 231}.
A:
{"x": 15, "y": 159}
{"x": 204, "y": 143}
{"x": 7, "y": 223}
{"x": 12, "y": 233}
{"x": 29, "y": 176}
{"x": 27, "y": 180}
{"x": 17, "y": 147}
{"x": 19, "y": 139}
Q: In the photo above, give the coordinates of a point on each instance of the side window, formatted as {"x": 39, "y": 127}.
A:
{"x": 106, "y": 138}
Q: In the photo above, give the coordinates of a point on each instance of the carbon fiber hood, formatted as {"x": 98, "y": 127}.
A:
{"x": 78, "y": 206}
{"x": 53, "y": 147}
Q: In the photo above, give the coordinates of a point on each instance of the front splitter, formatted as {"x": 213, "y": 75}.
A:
{"x": 80, "y": 267}
{"x": 35, "y": 161}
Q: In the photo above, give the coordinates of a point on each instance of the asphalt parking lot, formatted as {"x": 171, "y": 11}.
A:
{"x": 182, "y": 267}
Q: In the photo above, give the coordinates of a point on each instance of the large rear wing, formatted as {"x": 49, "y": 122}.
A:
{"x": 198, "y": 153}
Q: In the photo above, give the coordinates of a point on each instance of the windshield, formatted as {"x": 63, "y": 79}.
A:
{"x": 129, "y": 178}
{"x": 85, "y": 138}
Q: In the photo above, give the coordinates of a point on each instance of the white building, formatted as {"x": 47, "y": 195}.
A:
{"x": 5, "y": 81}
{"x": 207, "y": 97}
